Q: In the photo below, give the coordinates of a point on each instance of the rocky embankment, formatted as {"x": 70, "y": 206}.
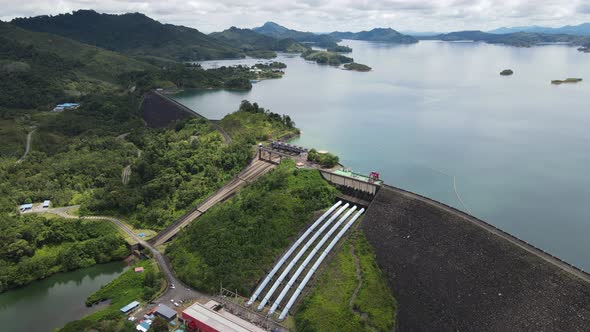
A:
{"x": 451, "y": 273}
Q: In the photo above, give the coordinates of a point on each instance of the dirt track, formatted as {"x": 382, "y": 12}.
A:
{"x": 27, "y": 147}
{"x": 452, "y": 272}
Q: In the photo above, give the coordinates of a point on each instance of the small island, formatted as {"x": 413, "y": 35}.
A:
{"x": 357, "y": 67}
{"x": 585, "y": 49}
{"x": 327, "y": 58}
{"x": 506, "y": 72}
{"x": 261, "y": 71}
{"x": 567, "y": 80}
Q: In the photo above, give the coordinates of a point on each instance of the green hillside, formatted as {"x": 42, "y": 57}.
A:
{"x": 132, "y": 33}
{"x": 42, "y": 68}
{"x": 379, "y": 34}
{"x": 252, "y": 43}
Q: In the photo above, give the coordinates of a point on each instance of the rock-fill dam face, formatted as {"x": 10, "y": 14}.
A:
{"x": 449, "y": 272}
{"x": 159, "y": 111}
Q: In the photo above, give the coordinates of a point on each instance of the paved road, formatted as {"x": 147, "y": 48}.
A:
{"x": 28, "y": 147}
{"x": 253, "y": 171}
{"x": 498, "y": 232}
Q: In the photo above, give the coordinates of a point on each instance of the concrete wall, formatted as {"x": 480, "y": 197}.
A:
{"x": 344, "y": 181}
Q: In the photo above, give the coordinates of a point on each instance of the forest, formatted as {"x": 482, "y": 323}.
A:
{"x": 34, "y": 247}
{"x": 177, "y": 168}
{"x": 237, "y": 241}
{"x": 257, "y": 123}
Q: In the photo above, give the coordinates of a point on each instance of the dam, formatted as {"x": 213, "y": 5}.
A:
{"x": 451, "y": 271}
{"x": 448, "y": 270}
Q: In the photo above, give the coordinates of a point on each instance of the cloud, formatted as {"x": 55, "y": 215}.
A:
{"x": 327, "y": 15}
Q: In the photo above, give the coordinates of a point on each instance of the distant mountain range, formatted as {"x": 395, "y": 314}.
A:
{"x": 275, "y": 30}
{"x": 519, "y": 39}
{"x": 579, "y": 30}
{"x": 330, "y": 39}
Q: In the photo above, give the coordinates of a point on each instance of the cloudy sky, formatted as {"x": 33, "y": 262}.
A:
{"x": 327, "y": 15}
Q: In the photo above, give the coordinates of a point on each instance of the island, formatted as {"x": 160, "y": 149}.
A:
{"x": 506, "y": 72}
{"x": 328, "y": 58}
{"x": 567, "y": 80}
{"x": 264, "y": 71}
{"x": 357, "y": 67}
{"x": 585, "y": 49}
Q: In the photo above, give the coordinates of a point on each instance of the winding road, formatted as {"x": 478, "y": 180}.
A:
{"x": 181, "y": 290}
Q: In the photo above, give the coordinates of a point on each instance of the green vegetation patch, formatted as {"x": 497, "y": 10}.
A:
{"x": 237, "y": 241}
{"x": 324, "y": 159}
{"x": 178, "y": 167}
{"x": 128, "y": 287}
{"x": 33, "y": 247}
{"x": 329, "y": 307}
{"x": 256, "y": 122}
{"x": 13, "y": 138}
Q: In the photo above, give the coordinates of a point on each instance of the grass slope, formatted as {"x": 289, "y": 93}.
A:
{"x": 237, "y": 241}
{"x": 328, "y": 308}
{"x": 41, "y": 69}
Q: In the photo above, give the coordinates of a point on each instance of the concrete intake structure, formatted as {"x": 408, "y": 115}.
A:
{"x": 289, "y": 252}
{"x": 309, "y": 257}
{"x": 298, "y": 256}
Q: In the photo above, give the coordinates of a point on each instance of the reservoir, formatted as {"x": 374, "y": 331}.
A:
{"x": 50, "y": 303}
{"x": 436, "y": 118}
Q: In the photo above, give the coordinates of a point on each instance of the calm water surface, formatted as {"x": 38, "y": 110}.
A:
{"x": 50, "y": 303}
{"x": 436, "y": 118}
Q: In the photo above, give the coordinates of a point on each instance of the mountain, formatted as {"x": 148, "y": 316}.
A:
{"x": 275, "y": 30}
{"x": 474, "y": 35}
{"x": 377, "y": 34}
{"x": 419, "y": 33}
{"x": 576, "y": 30}
{"x": 131, "y": 33}
{"x": 40, "y": 68}
{"x": 519, "y": 39}
{"x": 253, "y": 42}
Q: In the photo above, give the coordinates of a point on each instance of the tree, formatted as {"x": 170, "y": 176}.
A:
{"x": 159, "y": 325}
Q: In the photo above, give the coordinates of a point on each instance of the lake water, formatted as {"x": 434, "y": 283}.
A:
{"x": 50, "y": 303}
{"x": 436, "y": 118}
